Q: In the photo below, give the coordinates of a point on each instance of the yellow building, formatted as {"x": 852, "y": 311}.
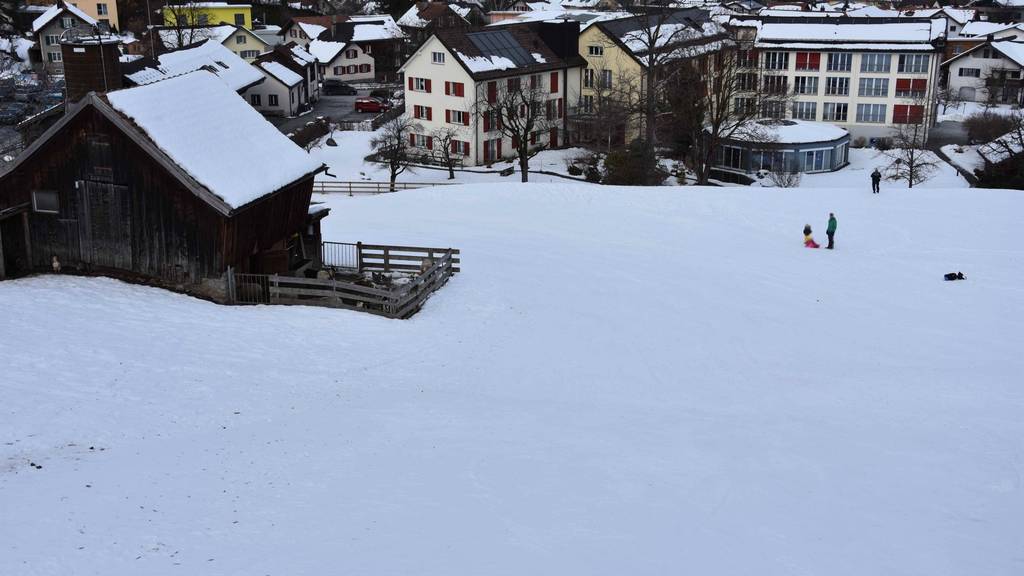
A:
{"x": 103, "y": 11}
{"x": 617, "y": 55}
{"x": 208, "y": 13}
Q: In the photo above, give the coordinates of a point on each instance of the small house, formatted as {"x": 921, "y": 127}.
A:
{"x": 51, "y": 25}
{"x": 174, "y": 183}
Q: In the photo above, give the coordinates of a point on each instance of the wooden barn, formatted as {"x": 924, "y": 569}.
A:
{"x": 170, "y": 183}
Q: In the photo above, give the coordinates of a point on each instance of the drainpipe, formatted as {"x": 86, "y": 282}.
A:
{"x": 476, "y": 127}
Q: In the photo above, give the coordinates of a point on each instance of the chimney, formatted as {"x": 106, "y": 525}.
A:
{"x": 562, "y": 37}
{"x": 91, "y": 62}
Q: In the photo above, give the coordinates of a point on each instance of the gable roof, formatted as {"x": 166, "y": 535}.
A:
{"x": 1013, "y": 51}
{"x": 277, "y": 71}
{"x": 984, "y": 28}
{"x": 680, "y": 30}
{"x": 57, "y": 9}
{"x": 422, "y": 14}
{"x": 221, "y": 33}
{"x": 586, "y": 18}
{"x": 211, "y": 55}
{"x": 226, "y": 145}
{"x": 325, "y": 51}
{"x": 494, "y": 53}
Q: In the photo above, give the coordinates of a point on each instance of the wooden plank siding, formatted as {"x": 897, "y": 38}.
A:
{"x": 123, "y": 213}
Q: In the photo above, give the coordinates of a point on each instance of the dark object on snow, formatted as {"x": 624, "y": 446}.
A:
{"x": 331, "y": 142}
{"x": 955, "y": 276}
{"x": 876, "y": 177}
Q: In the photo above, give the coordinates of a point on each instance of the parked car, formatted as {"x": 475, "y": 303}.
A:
{"x": 371, "y": 104}
{"x": 334, "y": 87}
{"x": 51, "y": 98}
{"x": 13, "y": 112}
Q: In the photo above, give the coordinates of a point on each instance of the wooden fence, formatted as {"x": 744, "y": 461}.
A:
{"x": 364, "y": 187}
{"x": 399, "y": 301}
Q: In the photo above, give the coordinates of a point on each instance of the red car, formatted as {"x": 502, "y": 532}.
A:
{"x": 371, "y": 104}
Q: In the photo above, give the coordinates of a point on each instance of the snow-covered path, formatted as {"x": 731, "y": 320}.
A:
{"x": 621, "y": 381}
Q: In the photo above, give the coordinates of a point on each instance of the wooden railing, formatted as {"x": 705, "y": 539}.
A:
{"x": 435, "y": 266}
{"x": 352, "y": 188}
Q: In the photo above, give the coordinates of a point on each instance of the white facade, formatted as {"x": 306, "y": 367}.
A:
{"x": 273, "y": 97}
{"x": 968, "y": 73}
{"x": 49, "y": 39}
{"x": 429, "y": 77}
{"x": 346, "y": 62}
{"x": 865, "y": 93}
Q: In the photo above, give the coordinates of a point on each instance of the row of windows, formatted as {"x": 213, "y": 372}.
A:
{"x": 783, "y": 160}
{"x": 457, "y": 147}
{"x": 352, "y": 69}
{"x": 836, "y": 86}
{"x": 203, "y": 19}
{"x": 834, "y": 111}
{"x": 837, "y": 61}
{"x": 257, "y": 99}
{"x": 589, "y": 76}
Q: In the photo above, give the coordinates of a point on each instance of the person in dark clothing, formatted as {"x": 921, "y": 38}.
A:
{"x": 831, "y": 230}
{"x": 876, "y": 177}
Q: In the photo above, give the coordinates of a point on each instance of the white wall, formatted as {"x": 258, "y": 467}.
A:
{"x": 287, "y": 98}
{"x": 420, "y": 65}
{"x": 964, "y": 84}
{"x": 342, "y": 60}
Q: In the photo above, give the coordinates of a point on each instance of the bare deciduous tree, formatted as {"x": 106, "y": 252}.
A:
{"x": 444, "y": 139}
{"x": 909, "y": 160}
{"x": 391, "y": 145}
{"x": 948, "y": 98}
{"x": 186, "y": 20}
{"x": 521, "y": 110}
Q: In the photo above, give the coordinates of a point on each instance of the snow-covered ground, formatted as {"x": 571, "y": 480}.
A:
{"x": 964, "y": 109}
{"x": 864, "y": 160}
{"x": 621, "y": 381}
{"x": 964, "y": 156}
{"x": 346, "y": 161}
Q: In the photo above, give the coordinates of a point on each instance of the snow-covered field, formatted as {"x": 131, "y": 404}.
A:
{"x": 964, "y": 156}
{"x": 962, "y": 110}
{"x": 346, "y": 163}
{"x": 621, "y": 381}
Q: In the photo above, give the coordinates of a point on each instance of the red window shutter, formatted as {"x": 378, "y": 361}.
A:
{"x": 460, "y": 89}
{"x": 465, "y": 148}
{"x": 487, "y": 153}
{"x": 453, "y": 148}
{"x": 801, "y": 60}
{"x": 447, "y": 116}
{"x": 430, "y": 143}
{"x": 547, "y": 109}
{"x": 492, "y": 92}
{"x": 487, "y": 121}
{"x": 465, "y": 118}
{"x": 554, "y": 82}
{"x": 427, "y": 87}
{"x": 410, "y": 82}
{"x": 919, "y": 85}
{"x": 412, "y": 139}
{"x": 814, "y": 61}
{"x": 511, "y": 85}
{"x": 533, "y": 137}
{"x": 553, "y": 139}
{"x": 560, "y": 107}
{"x": 500, "y": 122}
{"x": 915, "y": 114}
{"x": 902, "y": 84}
{"x": 899, "y": 114}
{"x": 515, "y": 142}
{"x": 498, "y": 143}
{"x": 533, "y": 82}
{"x": 447, "y": 88}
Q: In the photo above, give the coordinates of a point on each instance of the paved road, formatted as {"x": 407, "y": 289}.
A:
{"x": 334, "y": 107}
{"x": 947, "y": 132}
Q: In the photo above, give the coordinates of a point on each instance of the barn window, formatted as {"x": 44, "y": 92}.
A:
{"x": 46, "y": 201}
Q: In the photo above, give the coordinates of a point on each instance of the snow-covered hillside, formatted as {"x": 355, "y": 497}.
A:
{"x": 621, "y": 381}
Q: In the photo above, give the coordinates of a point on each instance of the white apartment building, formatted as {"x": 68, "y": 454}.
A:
{"x": 454, "y": 73}
{"x": 989, "y": 72}
{"x": 864, "y": 75}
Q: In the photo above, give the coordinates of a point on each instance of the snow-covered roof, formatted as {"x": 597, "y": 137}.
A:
{"x": 646, "y": 33}
{"x": 1012, "y": 50}
{"x": 866, "y": 32}
{"x": 215, "y": 136}
{"x": 311, "y": 30}
{"x": 373, "y": 28}
{"x": 586, "y": 18}
{"x": 21, "y": 47}
{"x": 281, "y": 73}
{"x": 189, "y": 36}
{"x": 325, "y": 51}
{"x": 211, "y": 56}
{"x": 412, "y": 19}
{"x": 982, "y": 28}
{"x": 789, "y": 132}
{"x": 301, "y": 56}
{"x": 214, "y": 5}
{"x": 1006, "y": 146}
{"x": 55, "y": 10}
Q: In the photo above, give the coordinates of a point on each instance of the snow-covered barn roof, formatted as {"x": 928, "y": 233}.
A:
{"x": 211, "y": 55}
{"x": 374, "y": 28}
{"x": 215, "y": 136}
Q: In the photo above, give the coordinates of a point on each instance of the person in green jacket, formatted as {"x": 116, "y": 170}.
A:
{"x": 831, "y": 230}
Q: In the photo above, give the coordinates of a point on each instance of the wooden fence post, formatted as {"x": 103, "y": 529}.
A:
{"x": 387, "y": 261}
{"x": 229, "y": 285}
{"x": 359, "y": 257}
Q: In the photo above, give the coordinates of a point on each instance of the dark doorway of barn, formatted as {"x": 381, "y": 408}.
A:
{"x": 14, "y": 256}
{"x": 106, "y": 220}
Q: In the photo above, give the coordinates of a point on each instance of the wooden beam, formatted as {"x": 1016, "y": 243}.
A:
{"x": 28, "y": 240}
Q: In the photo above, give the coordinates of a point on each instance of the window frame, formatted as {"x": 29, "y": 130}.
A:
{"x": 35, "y": 201}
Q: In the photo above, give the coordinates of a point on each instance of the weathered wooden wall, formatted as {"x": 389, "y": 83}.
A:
{"x": 121, "y": 211}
